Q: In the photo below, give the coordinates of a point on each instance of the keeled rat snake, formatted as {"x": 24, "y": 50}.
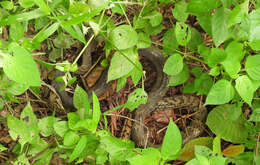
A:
{"x": 155, "y": 102}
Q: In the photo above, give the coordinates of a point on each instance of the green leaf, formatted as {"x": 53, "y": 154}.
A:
{"x": 233, "y": 150}
{"x": 61, "y": 127}
{"x": 15, "y": 88}
{"x": 120, "y": 83}
{"x": 21, "y": 67}
{"x": 170, "y": 44}
{"x": 45, "y": 33}
{"x": 245, "y": 89}
{"x": 235, "y": 54}
{"x": 136, "y": 73}
{"x": 204, "y": 20}
{"x": 202, "y": 6}
{"x": 70, "y": 138}
{"x": 216, "y": 56}
{"x": 75, "y": 32}
{"x": 96, "y": 111}
{"x": 187, "y": 152}
{"x": 144, "y": 41}
{"x": 180, "y": 78}
{"x": 238, "y": 13}
{"x": 149, "y": 29}
{"x": 26, "y": 3}
{"x": 79, "y": 148}
{"x": 252, "y": 66}
{"x": 2, "y": 148}
{"x": 118, "y": 149}
{"x": 16, "y": 31}
{"x": 217, "y": 146}
{"x": 219, "y": 160}
{"x": 255, "y": 116}
{"x": 172, "y": 142}
{"x": 123, "y": 37}
{"x": 173, "y": 65}
{"x": 22, "y": 17}
{"x": 81, "y": 102}
{"x": 220, "y": 31}
{"x": 73, "y": 119}
{"x": 220, "y": 93}
{"x": 43, "y": 6}
{"x": 120, "y": 65}
{"x": 202, "y": 153}
{"x": 149, "y": 156}
{"x": 137, "y": 97}
{"x": 230, "y": 130}
{"x": 46, "y": 126}
{"x": 155, "y": 18}
{"x": 195, "y": 40}
{"x": 94, "y": 4}
{"x": 7, "y": 5}
{"x": 215, "y": 71}
{"x": 182, "y": 33}
{"x": 179, "y": 11}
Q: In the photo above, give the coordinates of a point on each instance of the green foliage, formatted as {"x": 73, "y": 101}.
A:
{"x": 228, "y": 73}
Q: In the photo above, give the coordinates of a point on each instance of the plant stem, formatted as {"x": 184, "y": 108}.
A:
{"x": 82, "y": 51}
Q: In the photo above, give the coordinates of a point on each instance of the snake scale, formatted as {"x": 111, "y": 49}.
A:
{"x": 156, "y": 100}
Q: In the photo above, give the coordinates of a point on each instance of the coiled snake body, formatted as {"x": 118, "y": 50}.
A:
{"x": 155, "y": 102}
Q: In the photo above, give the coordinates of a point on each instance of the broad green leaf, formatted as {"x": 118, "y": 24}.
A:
{"x": 37, "y": 145}
{"x": 45, "y": 157}
{"x": 205, "y": 22}
{"x": 7, "y": 5}
{"x": 182, "y": 33}
{"x": 22, "y": 17}
{"x": 229, "y": 130}
{"x": 94, "y": 4}
{"x": 255, "y": 44}
{"x": 216, "y": 56}
{"x": 43, "y": 6}
{"x": 220, "y": 31}
{"x": 155, "y": 18}
{"x": 221, "y": 92}
{"x": 117, "y": 148}
{"x": 137, "y": 97}
{"x": 96, "y": 111}
{"x": 215, "y": 71}
{"x": 144, "y": 41}
{"x": 180, "y": 78}
{"x": 76, "y": 20}
{"x": 192, "y": 162}
{"x": 119, "y": 9}
{"x": 227, "y": 3}
{"x": 254, "y": 25}
{"x": 73, "y": 119}
{"x": 75, "y": 32}
{"x": 238, "y": 13}
{"x": 15, "y": 88}
{"x": 61, "y": 127}
{"x": 78, "y": 8}
{"x": 26, "y": 3}
{"x": 29, "y": 116}
{"x": 170, "y": 44}
{"x": 120, "y": 65}
{"x": 202, "y": 6}
{"x": 216, "y": 146}
{"x": 195, "y": 40}
{"x": 252, "y": 66}
{"x": 45, "y": 33}
{"x": 255, "y": 116}
{"x": 244, "y": 87}
{"x": 16, "y": 31}
{"x": 203, "y": 84}
{"x": 79, "y": 148}
{"x": 123, "y": 37}
{"x": 149, "y": 156}
{"x": 70, "y": 138}
{"x": 136, "y": 73}
{"x": 21, "y": 67}
{"x": 172, "y": 141}
{"x": 179, "y": 11}
{"x": 120, "y": 83}
{"x": 235, "y": 54}
{"x": 173, "y": 65}
{"x": 233, "y": 150}
{"x": 202, "y": 153}
{"x": 95, "y": 27}
{"x": 18, "y": 128}
{"x": 187, "y": 152}
{"x": 45, "y": 126}
{"x": 2, "y": 148}
{"x": 218, "y": 160}
{"x": 81, "y": 102}
{"x": 149, "y": 29}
